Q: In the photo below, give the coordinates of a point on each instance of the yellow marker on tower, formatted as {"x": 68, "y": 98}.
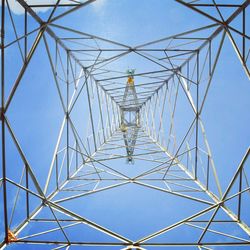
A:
{"x": 130, "y": 80}
{"x": 11, "y": 237}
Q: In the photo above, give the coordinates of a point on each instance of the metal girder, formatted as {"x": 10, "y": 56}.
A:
{"x": 133, "y": 120}
{"x": 226, "y": 24}
{"x": 130, "y": 116}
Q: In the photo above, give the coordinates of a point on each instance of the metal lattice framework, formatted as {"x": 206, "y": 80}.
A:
{"x": 128, "y": 116}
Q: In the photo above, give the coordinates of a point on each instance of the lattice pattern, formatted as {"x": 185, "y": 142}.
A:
{"x": 172, "y": 155}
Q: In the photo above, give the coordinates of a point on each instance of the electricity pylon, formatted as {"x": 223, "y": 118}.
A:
{"x": 150, "y": 117}
{"x": 130, "y": 116}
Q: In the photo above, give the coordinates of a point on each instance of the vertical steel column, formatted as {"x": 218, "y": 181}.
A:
{"x": 25, "y": 33}
{"x": 90, "y": 111}
{"x": 67, "y": 114}
{"x": 107, "y": 107}
{"x": 244, "y": 38}
{"x": 100, "y": 110}
{"x": 197, "y": 118}
{"x": 25, "y": 58}
{"x": 3, "y": 122}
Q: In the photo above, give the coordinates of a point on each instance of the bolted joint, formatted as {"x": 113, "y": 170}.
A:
{"x": 45, "y": 202}
{"x": 1, "y": 114}
{"x": 133, "y": 247}
{"x": 44, "y": 25}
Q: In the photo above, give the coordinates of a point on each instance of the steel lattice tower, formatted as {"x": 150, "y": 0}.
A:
{"x": 126, "y": 117}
